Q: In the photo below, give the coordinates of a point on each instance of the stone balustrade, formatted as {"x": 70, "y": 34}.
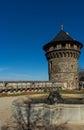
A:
{"x": 19, "y": 86}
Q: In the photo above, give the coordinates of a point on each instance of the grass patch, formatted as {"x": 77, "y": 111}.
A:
{"x": 71, "y": 91}
{"x": 21, "y": 94}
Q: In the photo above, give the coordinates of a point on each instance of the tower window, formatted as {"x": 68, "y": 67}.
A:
{"x": 72, "y": 66}
{"x": 63, "y": 45}
{"x": 50, "y": 65}
{"x": 72, "y": 46}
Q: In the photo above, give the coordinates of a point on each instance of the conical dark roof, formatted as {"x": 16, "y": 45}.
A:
{"x": 62, "y": 37}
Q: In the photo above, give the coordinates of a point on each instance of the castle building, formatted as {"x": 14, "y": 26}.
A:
{"x": 62, "y": 54}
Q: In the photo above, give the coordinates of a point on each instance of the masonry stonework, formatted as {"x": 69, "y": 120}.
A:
{"x": 62, "y": 54}
{"x": 64, "y": 70}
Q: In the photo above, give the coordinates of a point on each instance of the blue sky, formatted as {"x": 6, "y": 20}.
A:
{"x": 26, "y": 25}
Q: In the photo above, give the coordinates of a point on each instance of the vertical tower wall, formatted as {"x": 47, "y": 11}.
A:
{"x": 62, "y": 54}
{"x": 64, "y": 70}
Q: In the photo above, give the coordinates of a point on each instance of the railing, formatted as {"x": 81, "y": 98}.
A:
{"x": 29, "y": 86}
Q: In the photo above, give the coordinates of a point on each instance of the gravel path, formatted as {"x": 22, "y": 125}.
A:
{"x": 5, "y": 109}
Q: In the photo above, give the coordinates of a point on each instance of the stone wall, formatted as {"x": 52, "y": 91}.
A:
{"x": 62, "y": 59}
{"x": 64, "y": 70}
{"x": 23, "y": 86}
{"x": 50, "y": 114}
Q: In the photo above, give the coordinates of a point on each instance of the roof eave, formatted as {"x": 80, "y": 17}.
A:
{"x": 57, "y": 42}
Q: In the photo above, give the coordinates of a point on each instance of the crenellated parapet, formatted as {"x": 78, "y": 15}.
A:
{"x": 62, "y": 54}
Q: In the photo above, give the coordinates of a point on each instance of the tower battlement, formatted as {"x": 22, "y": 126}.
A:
{"x": 62, "y": 54}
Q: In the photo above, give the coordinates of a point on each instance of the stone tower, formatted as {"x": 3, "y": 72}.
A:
{"x": 62, "y": 54}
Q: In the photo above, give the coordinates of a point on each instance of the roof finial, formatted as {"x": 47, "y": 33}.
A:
{"x": 62, "y": 27}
